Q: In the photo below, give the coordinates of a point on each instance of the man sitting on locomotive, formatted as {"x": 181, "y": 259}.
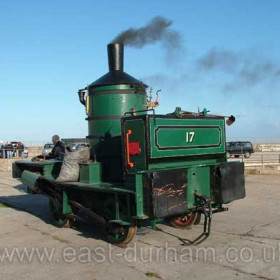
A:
{"x": 57, "y": 152}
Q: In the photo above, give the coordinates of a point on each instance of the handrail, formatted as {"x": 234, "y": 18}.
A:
{"x": 131, "y": 165}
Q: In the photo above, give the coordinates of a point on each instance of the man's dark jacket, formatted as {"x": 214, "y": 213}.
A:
{"x": 58, "y": 151}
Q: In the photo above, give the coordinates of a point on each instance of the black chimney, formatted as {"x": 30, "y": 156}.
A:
{"x": 115, "y": 56}
{"x": 116, "y": 75}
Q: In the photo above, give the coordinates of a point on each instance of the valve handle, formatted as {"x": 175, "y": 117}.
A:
{"x": 127, "y": 149}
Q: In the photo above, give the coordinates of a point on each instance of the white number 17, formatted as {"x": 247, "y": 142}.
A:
{"x": 189, "y": 137}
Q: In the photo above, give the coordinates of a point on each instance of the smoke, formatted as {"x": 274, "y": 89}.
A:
{"x": 243, "y": 69}
{"x": 157, "y": 30}
{"x": 237, "y": 69}
{"x": 224, "y": 60}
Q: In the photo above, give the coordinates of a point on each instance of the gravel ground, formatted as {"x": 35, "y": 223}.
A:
{"x": 244, "y": 244}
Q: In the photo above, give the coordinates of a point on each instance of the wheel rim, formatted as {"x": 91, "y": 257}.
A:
{"x": 124, "y": 237}
{"x": 125, "y": 232}
{"x": 184, "y": 221}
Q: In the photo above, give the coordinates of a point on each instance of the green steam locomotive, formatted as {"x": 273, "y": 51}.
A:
{"x": 144, "y": 167}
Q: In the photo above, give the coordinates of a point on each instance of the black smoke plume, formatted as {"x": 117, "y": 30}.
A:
{"x": 244, "y": 69}
{"x": 157, "y": 30}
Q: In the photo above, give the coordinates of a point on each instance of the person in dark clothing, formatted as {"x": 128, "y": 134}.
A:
{"x": 2, "y": 151}
{"x": 9, "y": 150}
{"x": 20, "y": 148}
{"x": 58, "y": 150}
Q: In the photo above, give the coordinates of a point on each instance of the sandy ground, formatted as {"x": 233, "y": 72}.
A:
{"x": 244, "y": 244}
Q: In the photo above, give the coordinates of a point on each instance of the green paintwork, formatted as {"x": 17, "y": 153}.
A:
{"x": 66, "y": 207}
{"x": 139, "y": 197}
{"x": 186, "y": 137}
{"x": 114, "y": 87}
{"x": 121, "y": 222}
{"x": 90, "y": 172}
{"x": 166, "y": 142}
{"x": 199, "y": 181}
{"x": 29, "y": 179}
{"x": 47, "y": 167}
{"x": 101, "y": 187}
{"x": 56, "y": 213}
{"x": 111, "y": 103}
{"x": 115, "y": 104}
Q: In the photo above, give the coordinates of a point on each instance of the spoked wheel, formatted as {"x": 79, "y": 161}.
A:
{"x": 58, "y": 219}
{"x": 121, "y": 235}
{"x": 117, "y": 234}
{"x": 185, "y": 221}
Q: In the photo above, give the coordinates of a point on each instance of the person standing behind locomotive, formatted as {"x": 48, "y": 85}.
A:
{"x": 9, "y": 150}
{"x": 20, "y": 147}
{"x": 58, "y": 150}
{"x": 2, "y": 151}
{"x": 14, "y": 150}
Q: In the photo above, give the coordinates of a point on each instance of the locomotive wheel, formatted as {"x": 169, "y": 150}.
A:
{"x": 57, "y": 217}
{"x": 184, "y": 221}
{"x": 121, "y": 235}
{"x": 117, "y": 234}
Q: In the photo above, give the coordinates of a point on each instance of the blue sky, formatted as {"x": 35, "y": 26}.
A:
{"x": 50, "y": 49}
